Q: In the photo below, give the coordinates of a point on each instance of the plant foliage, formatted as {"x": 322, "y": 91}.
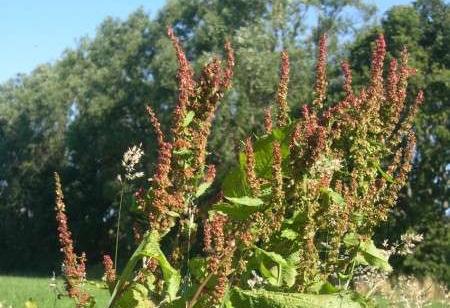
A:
{"x": 294, "y": 218}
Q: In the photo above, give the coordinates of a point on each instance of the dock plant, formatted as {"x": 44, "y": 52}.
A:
{"x": 295, "y": 217}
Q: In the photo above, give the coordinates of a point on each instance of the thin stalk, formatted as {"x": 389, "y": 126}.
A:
{"x": 118, "y": 228}
{"x": 351, "y": 275}
{"x": 199, "y": 290}
{"x": 202, "y": 285}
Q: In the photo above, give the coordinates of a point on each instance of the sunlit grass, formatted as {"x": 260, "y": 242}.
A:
{"x": 16, "y": 290}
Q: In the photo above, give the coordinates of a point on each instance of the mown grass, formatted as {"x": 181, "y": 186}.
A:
{"x": 16, "y": 290}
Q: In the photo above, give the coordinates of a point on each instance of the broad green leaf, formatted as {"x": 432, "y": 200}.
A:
{"x": 279, "y": 134}
{"x": 263, "y": 149}
{"x": 135, "y": 295}
{"x": 351, "y": 240}
{"x": 297, "y": 219}
{"x": 285, "y": 273}
{"x": 128, "y": 270}
{"x": 374, "y": 256}
{"x": 294, "y": 258}
{"x": 188, "y": 119}
{"x": 149, "y": 247}
{"x": 235, "y": 183}
{"x": 270, "y": 299}
{"x": 172, "y": 277}
{"x": 271, "y": 255}
{"x": 269, "y": 275}
{"x": 367, "y": 252}
{"x": 240, "y": 207}
{"x": 246, "y": 201}
{"x": 288, "y": 274}
{"x": 237, "y": 211}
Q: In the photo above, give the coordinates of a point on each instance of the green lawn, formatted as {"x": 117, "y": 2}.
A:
{"x": 16, "y": 290}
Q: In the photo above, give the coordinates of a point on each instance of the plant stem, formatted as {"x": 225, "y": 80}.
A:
{"x": 351, "y": 275}
{"x": 199, "y": 290}
{"x": 118, "y": 228}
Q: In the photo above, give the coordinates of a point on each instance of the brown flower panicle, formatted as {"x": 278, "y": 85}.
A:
{"x": 282, "y": 92}
{"x": 110, "y": 272}
{"x": 250, "y": 171}
{"x": 320, "y": 87}
{"x": 347, "y": 71}
{"x": 268, "y": 125}
{"x": 73, "y": 267}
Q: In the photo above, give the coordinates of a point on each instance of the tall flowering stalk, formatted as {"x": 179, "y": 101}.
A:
{"x": 73, "y": 267}
{"x": 320, "y": 87}
{"x": 283, "y": 108}
{"x": 250, "y": 168}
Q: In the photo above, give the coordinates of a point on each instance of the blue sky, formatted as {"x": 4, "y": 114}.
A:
{"x": 37, "y": 31}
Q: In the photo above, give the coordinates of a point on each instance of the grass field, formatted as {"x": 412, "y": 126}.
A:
{"x": 16, "y": 290}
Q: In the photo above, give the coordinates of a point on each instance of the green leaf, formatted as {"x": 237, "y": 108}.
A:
{"x": 198, "y": 267}
{"x": 263, "y": 149}
{"x": 374, "y": 256}
{"x": 149, "y": 247}
{"x": 136, "y": 295}
{"x": 240, "y": 208}
{"x": 289, "y": 234}
{"x": 236, "y": 211}
{"x": 269, "y": 275}
{"x": 323, "y": 287}
{"x": 367, "y": 252}
{"x": 285, "y": 273}
{"x": 332, "y": 197}
{"x": 386, "y": 176}
{"x": 172, "y": 277}
{"x": 271, "y": 255}
{"x": 270, "y": 299}
{"x": 246, "y": 201}
{"x": 202, "y": 188}
{"x": 188, "y": 119}
{"x": 351, "y": 240}
{"x": 235, "y": 183}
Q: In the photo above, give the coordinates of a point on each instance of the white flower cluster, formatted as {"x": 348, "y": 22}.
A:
{"x": 405, "y": 246}
{"x": 130, "y": 159}
{"x": 256, "y": 281}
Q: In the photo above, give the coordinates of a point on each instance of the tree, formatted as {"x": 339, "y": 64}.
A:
{"x": 33, "y": 120}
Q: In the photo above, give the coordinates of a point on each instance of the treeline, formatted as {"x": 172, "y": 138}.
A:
{"x": 79, "y": 115}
